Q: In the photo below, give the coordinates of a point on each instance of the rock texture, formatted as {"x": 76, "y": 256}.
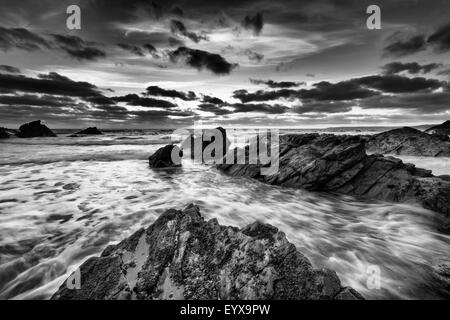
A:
{"x": 340, "y": 164}
{"x": 4, "y": 133}
{"x": 162, "y": 158}
{"x": 34, "y": 129}
{"x": 409, "y": 141}
{"x": 182, "y": 256}
{"x": 442, "y": 129}
{"x": 90, "y": 131}
{"x": 197, "y": 145}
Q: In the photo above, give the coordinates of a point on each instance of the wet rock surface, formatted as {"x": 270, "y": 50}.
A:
{"x": 182, "y": 256}
{"x": 162, "y": 158}
{"x": 442, "y": 129}
{"x": 409, "y": 141}
{"x": 35, "y": 129}
{"x": 196, "y": 145}
{"x": 339, "y": 164}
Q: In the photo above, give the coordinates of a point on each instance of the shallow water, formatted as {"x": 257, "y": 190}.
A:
{"x": 63, "y": 200}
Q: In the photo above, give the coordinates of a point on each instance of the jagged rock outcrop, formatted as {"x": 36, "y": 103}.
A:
{"x": 35, "y": 129}
{"x": 340, "y": 164}
{"x": 442, "y": 129}
{"x": 4, "y": 134}
{"x": 182, "y": 256}
{"x": 196, "y": 145}
{"x": 90, "y": 131}
{"x": 165, "y": 157}
{"x": 409, "y": 141}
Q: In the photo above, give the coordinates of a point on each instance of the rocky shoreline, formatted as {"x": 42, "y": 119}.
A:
{"x": 340, "y": 164}
{"x": 182, "y": 256}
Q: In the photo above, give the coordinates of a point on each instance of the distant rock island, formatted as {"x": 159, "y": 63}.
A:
{"x": 182, "y": 256}
{"x": 35, "y": 129}
{"x": 90, "y": 131}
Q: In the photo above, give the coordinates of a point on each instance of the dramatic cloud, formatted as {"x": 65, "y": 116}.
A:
{"x": 254, "y": 23}
{"x": 439, "y": 41}
{"x": 140, "y": 51}
{"x": 213, "y": 108}
{"x": 441, "y": 38}
{"x": 224, "y": 108}
{"x": 356, "y": 88}
{"x": 9, "y": 69}
{"x": 178, "y": 28}
{"x": 214, "y": 100}
{"x": 405, "y": 47}
{"x": 309, "y": 106}
{"x": 200, "y": 60}
{"x": 160, "y": 92}
{"x": 411, "y": 67}
{"x": 78, "y": 48}
{"x": 21, "y": 38}
{"x": 51, "y": 83}
{"x": 279, "y": 84}
{"x": 135, "y": 100}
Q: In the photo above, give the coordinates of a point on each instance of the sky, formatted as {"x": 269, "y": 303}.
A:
{"x": 234, "y": 63}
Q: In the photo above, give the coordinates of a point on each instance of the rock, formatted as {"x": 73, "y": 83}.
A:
{"x": 442, "y": 129}
{"x": 90, "y": 131}
{"x": 4, "y": 134}
{"x": 410, "y": 142}
{"x": 182, "y": 256}
{"x": 340, "y": 164}
{"x": 34, "y": 129}
{"x": 162, "y": 158}
{"x": 195, "y": 145}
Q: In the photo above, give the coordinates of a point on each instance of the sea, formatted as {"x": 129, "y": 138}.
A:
{"x": 64, "y": 199}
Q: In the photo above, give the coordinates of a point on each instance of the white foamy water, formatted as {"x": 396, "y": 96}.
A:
{"x": 63, "y": 200}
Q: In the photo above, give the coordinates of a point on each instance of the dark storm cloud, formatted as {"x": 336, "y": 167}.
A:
{"x": 255, "y": 23}
{"x": 51, "y": 83}
{"x": 223, "y": 109}
{"x": 9, "y": 69}
{"x": 440, "y": 39}
{"x": 218, "y": 110}
{"x": 261, "y": 107}
{"x": 35, "y": 100}
{"x": 139, "y": 50}
{"x": 411, "y": 67}
{"x": 160, "y": 92}
{"x": 277, "y": 84}
{"x": 200, "y": 60}
{"x": 424, "y": 103}
{"x": 21, "y": 38}
{"x": 77, "y": 48}
{"x": 398, "y": 84}
{"x": 177, "y": 27}
{"x": 214, "y": 100}
{"x": 356, "y": 88}
{"x": 405, "y": 47}
{"x": 135, "y": 100}
{"x": 309, "y": 106}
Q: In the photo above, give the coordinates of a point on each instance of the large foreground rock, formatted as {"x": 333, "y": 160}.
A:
{"x": 340, "y": 164}
{"x": 442, "y": 129}
{"x": 163, "y": 157}
{"x": 182, "y": 256}
{"x": 409, "y": 141}
{"x": 34, "y": 129}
